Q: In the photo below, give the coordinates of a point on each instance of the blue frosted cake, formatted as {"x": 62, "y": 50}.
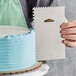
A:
{"x": 17, "y": 42}
{"x": 17, "y": 51}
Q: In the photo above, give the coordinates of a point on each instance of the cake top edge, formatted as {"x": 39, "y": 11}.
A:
{"x": 14, "y": 31}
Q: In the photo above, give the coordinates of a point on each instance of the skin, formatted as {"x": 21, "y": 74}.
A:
{"x": 68, "y": 32}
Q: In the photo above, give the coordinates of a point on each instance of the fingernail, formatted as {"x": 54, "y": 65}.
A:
{"x": 63, "y": 36}
{"x": 65, "y": 41}
{"x": 62, "y": 41}
{"x": 64, "y": 31}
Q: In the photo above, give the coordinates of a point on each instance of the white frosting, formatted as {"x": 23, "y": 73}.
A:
{"x": 12, "y": 30}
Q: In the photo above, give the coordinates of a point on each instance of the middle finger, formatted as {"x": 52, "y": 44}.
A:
{"x": 70, "y": 37}
{"x": 69, "y": 31}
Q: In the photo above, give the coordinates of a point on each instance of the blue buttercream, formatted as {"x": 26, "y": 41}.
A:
{"x": 17, "y": 51}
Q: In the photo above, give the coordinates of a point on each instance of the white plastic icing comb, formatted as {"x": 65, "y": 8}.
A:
{"x": 47, "y": 21}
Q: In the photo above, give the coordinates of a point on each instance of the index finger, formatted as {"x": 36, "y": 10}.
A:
{"x": 69, "y": 24}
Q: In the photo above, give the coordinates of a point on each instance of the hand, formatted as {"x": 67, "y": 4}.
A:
{"x": 68, "y": 31}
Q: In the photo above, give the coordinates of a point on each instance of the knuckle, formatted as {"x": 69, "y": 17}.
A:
{"x": 67, "y": 36}
{"x": 67, "y": 24}
{"x": 69, "y": 31}
{"x": 66, "y": 30}
{"x": 67, "y": 43}
{"x": 62, "y": 25}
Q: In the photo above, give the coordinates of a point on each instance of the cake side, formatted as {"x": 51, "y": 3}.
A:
{"x": 17, "y": 51}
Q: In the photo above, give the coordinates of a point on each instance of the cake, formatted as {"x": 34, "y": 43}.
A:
{"x": 17, "y": 41}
